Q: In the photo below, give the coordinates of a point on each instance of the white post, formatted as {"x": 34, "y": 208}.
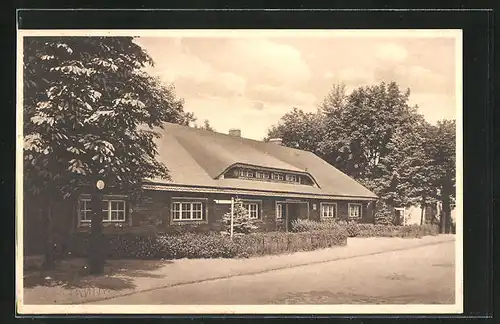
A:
{"x": 232, "y": 215}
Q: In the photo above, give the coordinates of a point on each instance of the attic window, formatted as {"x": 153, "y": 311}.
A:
{"x": 278, "y": 176}
{"x": 267, "y": 175}
{"x": 246, "y": 173}
{"x": 261, "y": 175}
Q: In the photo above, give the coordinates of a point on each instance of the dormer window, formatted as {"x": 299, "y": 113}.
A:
{"x": 246, "y": 173}
{"x": 278, "y": 176}
{"x": 261, "y": 175}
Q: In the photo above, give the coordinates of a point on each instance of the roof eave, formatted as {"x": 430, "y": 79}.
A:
{"x": 228, "y": 190}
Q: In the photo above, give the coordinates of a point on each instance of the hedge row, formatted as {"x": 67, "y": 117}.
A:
{"x": 366, "y": 230}
{"x": 208, "y": 245}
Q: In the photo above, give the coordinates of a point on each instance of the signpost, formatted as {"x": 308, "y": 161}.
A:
{"x": 223, "y": 202}
{"x": 227, "y": 202}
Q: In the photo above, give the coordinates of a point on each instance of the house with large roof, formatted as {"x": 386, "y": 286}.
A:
{"x": 276, "y": 184}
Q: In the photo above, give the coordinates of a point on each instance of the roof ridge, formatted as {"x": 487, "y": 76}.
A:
{"x": 190, "y": 128}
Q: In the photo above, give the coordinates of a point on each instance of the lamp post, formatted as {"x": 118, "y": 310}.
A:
{"x": 96, "y": 253}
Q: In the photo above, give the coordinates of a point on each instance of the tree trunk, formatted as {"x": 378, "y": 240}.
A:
{"x": 442, "y": 220}
{"x": 49, "y": 261}
{"x": 422, "y": 210}
{"x": 96, "y": 253}
{"x": 446, "y": 214}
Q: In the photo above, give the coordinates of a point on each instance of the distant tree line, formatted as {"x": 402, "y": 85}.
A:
{"x": 375, "y": 136}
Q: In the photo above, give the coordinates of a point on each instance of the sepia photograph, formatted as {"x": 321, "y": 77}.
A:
{"x": 239, "y": 171}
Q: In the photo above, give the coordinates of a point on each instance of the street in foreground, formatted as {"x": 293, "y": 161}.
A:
{"x": 421, "y": 275}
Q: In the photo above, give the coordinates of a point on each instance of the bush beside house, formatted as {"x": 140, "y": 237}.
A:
{"x": 208, "y": 245}
{"x": 354, "y": 229}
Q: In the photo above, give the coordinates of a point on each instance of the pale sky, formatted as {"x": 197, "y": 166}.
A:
{"x": 250, "y": 82}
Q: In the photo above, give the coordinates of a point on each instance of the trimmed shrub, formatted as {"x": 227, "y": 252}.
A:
{"x": 209, "y": 245}
{"x": 281, "y": 242}
{"x": 354, "y": 229}
{"x": 306, "y": 225}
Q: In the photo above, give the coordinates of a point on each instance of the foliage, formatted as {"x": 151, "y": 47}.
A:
{"x": 298, "y": 129}
{"x": 206, "y": 126}
{"x": 441, "y": 147}
{"x": 354, "y": 132}
{"x": 373, "y": 135}
{"x": 306, "y": 225}
{"x": 208, "y": 245}
{"x": 353, "y": 229}
{"x": 242, "y": 223}
{"x": 91, "y": 112}
{"x": 257, "y": 244}
{"x": 384, "y": 215}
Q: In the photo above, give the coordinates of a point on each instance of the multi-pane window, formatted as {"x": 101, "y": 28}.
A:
{"x": 182, "y": 211}
{"x": 278, "y": 176}
{"x": 261, "y": 175}
{"x": 354, "y": 210}
{"x": 253, "y": 210}
{"x": 279, "y": 211}
{"x": 246, "y": 173}
{"x": 113, "y": 210}
{"x": 84, "y": 210}
{"x": 328, "y": 210}
{"x": 268, "y": 175}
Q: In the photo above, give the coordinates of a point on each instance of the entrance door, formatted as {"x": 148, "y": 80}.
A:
{"x": 292, "y": 215}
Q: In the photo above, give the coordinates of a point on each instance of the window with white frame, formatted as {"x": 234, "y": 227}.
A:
{"x": 354, "y": 210}
{"x": 279, "y": 211}
{"x": 187, "y": 210}
{"x": 328, "y": 210}
{"x": 84, "y": 210}
{"x": 278, "y": 176}
{"x": 291, "y": 177}
{"x": 261, "y": 175}
{"x": 246, "y": 173}
{"x": 113, "y": 210}
{"x": 253, "y": 210}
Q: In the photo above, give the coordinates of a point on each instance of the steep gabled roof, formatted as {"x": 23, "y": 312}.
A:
{"x": 197, "y": 157}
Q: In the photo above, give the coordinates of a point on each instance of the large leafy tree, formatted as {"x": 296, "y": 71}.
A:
{"x": 90, "y": 113}
{"x": 363, "y": 126}
{"x": 374, "y": 135}
{"x": 299, "y": 129}
{"x": 441, "y": 148}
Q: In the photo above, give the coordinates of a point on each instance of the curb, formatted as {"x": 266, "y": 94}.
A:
{"x": 289, "y": 266}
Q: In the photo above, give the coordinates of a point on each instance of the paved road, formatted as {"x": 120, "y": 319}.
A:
{"x": 423, "y": 275}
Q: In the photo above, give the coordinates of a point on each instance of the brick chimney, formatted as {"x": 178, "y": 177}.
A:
{"x": 277, "y": 141}
{"x": 235, "y": 132}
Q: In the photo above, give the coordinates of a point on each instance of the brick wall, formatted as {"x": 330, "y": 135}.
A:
{"x": 342, "y": 210}
{"x": 151, "y": 213}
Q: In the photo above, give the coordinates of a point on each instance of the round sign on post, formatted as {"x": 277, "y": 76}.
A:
{"x": 100, "y": 184}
